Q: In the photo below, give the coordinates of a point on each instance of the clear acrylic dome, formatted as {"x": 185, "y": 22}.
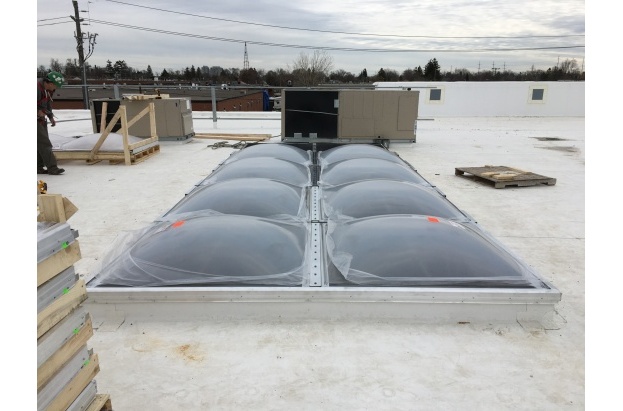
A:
{"x": 272, "y": 150}
{"x": 212, "y": 250}
{"x": 258, "y": 197}
{"x": 379, "y": 197}
{"x": 261, "y": 167}
{"x": 421, "y": 251}
{"x": 352, "y": 151}
{"x": 359, "y": 169}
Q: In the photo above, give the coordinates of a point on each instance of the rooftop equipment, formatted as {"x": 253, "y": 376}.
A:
{"x": 173, "y": 116}
{"x": 349, "y": 115}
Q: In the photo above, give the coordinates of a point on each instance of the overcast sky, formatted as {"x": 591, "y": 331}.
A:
{"x": 396, "y": 34}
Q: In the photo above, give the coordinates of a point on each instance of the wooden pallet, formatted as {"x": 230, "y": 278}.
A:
{"x": 502, "y": 176}
{"x": 101, "y": 403}
{"x": 113, "y": 158}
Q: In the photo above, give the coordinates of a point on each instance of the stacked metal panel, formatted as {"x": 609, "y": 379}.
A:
{"x": 65, "y": 365}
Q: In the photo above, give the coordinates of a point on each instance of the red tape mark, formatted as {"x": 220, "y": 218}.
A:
{"x": 177, "y": 224}
{"x": 433, "y": 219}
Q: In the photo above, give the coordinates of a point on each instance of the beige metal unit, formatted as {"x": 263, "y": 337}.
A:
{"x": 173, "y": 117}
{"x": 349, "y": 115}
{"x": 389, "y": 115}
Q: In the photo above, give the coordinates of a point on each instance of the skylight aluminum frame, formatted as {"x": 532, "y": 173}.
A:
{"x": 314, "y": 300}
{"x": 262, "y": 303}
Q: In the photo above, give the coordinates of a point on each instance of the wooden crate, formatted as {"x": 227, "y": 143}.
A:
{"x": 130, "y": 153}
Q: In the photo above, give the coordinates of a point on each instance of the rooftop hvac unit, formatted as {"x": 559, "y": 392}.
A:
{"x": 173, "y": 116}
{"x": 349, "y": 115}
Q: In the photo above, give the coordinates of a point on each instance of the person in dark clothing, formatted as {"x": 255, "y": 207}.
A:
{"x": 46, "y": 160}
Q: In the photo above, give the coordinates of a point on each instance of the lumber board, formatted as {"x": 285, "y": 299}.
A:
{"x": 51, "y": 208}
{"x": 107, "y": 130}
{"x": 134, "y": 146}
{"x": 104, "y": 116}
{"x": 59, "y": 309}
{"x": 100, "y": 403}
{"x": 124, "y": 135}
{"x": 232, "y": 136}
{"x": 55, "y": 208}
{"x": 66, "y": 352}
{"x": 76, "y": 385}
{"x": 57, "y": 263}
{"x": 86, "y": 397}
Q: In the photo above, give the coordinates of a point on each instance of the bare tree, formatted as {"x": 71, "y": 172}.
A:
{"x": 314, "y": 69}
{"x": 569, "y": 66}
{"x": 56, "y": 65}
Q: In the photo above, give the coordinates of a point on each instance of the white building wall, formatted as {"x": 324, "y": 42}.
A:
{"x": 497, "y": 99}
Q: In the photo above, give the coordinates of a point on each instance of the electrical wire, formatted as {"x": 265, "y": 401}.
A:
{"x": 345, "y": 32}
{"x": 54, "y": 24}
{"x": 328, "y": 48}
{"x": 54, "y": 18}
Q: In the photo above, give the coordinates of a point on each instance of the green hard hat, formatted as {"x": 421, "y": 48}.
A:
{"x": 56, "y": 78}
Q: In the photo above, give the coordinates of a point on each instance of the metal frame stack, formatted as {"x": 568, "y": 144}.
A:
{"x": 65, "y": 365}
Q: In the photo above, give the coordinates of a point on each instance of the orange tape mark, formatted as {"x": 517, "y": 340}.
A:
{"x": 177, "y": 224}
{"x": 433, "y": 219}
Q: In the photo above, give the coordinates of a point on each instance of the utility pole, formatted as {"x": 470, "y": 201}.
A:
{"x": 85, "y": 90}
{"x": 81, "y": 57}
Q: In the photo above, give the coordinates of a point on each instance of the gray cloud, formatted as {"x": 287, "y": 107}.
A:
{"x": 149, "y": 45}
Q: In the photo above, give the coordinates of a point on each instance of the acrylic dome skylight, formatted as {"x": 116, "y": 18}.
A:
{"x": 278, "y": 215}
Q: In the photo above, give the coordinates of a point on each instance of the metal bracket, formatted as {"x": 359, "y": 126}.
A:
{"x": 316, "y": 261}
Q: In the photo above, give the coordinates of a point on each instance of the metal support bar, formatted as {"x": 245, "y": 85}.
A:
{"x": 315, "y": 256}
{"x": 213, "y": 92}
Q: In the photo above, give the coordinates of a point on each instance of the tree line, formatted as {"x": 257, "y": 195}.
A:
{"x": 307, "y": 70}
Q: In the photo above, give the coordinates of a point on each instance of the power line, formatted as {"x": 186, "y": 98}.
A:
{"x": 327, "y": 48}
{"x": 345, "y": 32}
{"x": 54, "y": 24}
{"x": 54, "y": 18}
